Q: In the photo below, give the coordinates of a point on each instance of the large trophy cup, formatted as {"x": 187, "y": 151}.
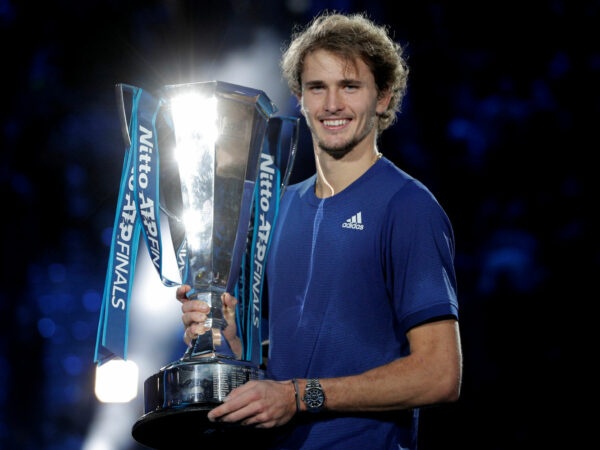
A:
{"x": 210, "y": 157}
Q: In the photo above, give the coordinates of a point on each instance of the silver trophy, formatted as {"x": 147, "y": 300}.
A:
{"x": 222, "y": 159}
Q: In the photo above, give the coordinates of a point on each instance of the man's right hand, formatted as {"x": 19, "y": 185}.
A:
{"x": 195, "y": 314}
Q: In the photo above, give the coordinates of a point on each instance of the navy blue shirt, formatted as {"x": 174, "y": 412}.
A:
{"x": 347, "y": 277}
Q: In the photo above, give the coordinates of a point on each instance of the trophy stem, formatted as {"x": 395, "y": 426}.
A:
{"x": 206, "y": 344}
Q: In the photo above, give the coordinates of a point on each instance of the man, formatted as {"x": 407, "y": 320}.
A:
{"x": 363, "y": 314}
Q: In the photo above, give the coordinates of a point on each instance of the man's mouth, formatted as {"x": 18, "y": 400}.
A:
{"x": 335, "y": 123}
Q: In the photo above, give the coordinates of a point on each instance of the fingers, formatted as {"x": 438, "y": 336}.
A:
{"x": 237, "y": 406}
{"x": 198, "y": 311}
{"x": 194, "y": 318}
{"x": 180, "y": 293}
{"x": 193, "y": 331}
{"x": 261, "y": 404}
{"x": 188, "y": 337}
{"x": 229, "y": 301}
{"x": 194, "y": 311}
{"x": 229, "y": 304}
{"x": 195, "y": 315}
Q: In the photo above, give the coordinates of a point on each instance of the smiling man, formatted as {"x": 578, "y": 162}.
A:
{"x": 363, "y": 310}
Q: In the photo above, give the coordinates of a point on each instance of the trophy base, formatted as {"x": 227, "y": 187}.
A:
{"x": 189, "y": 426}
{"x": 178, "y": 398}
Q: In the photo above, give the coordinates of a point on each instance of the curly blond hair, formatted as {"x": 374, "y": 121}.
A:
{"x": 351, "y": 36}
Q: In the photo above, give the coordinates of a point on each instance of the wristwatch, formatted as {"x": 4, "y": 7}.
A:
{"x": 314, "y": 396}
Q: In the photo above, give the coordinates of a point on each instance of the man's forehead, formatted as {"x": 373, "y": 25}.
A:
{"x": 326, "y": 61}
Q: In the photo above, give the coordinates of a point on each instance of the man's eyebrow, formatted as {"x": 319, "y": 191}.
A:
{"x": 347, "y": 81}
{"x": 314, "y": 83}
{"x": 342, "y": 82}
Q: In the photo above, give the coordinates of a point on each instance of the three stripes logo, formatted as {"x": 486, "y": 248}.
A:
{"x": 354, "y": 222}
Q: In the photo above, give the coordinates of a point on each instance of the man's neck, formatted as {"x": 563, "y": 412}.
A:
{"x": 333, "y": 176}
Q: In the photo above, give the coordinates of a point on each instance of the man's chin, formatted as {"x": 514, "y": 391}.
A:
{"x": 339, "y": 152}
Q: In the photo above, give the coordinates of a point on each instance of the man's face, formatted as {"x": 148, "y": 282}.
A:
{"x": 339, "y": 102}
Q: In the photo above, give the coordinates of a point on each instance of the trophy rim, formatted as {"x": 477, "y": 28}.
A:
{"x": 168, "y": 429}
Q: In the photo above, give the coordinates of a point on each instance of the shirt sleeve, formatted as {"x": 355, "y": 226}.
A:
{"x": 419, "y": 258}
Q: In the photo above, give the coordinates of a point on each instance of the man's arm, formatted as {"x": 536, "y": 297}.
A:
{"x": 430, "y": 374}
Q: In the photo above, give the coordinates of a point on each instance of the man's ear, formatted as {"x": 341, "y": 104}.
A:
{"x": 383, "y": 101}
{"x": 299, "y": 98}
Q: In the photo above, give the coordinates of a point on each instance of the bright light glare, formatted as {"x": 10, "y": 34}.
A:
{"x": 195, "y": 121}
{"x": 197, "y": 223}
{"x": 191, "y": 110}
{"x": 116, "y": 381}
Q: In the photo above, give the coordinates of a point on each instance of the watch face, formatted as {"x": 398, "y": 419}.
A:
{"x": 314, "y": 397}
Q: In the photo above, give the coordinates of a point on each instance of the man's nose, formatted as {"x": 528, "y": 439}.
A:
{"x": 334, "y": 101}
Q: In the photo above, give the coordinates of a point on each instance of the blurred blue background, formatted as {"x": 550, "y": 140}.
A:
{"x": 500, "y": 122}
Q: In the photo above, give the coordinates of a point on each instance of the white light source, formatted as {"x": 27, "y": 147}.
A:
{"x": 116, "y": 381}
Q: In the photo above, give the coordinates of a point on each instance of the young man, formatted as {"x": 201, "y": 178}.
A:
{"x": 363, "y": 313}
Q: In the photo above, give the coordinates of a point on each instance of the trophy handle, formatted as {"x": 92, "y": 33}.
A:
{"x": 286, "y": 127}
{"x": 122, "y": 112}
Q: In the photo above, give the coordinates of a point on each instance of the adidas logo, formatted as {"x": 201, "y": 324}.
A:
{"x": 354, "y": 222}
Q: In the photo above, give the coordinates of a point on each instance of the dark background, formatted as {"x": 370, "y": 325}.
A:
{"x": 500, "y": 122}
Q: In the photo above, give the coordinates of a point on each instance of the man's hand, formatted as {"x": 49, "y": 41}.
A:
{"x": 195, "y": 314}
{"x": 258, "y": 403}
